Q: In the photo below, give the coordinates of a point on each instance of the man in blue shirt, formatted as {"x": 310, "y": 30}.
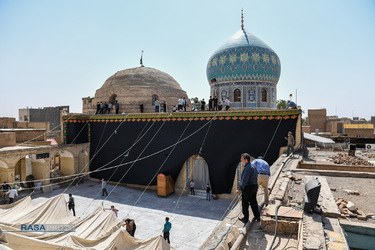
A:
{"x": 263, "y": 170}
{"x": 249, "y": 189}
{"x": 292, "y": 105}
{"x": 167, "y": 228}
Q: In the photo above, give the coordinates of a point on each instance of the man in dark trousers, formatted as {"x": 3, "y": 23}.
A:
{"x": 117, "y": 106}
{"x": 71, "y": 204}
{"x": 105, "y": 108}
{"x": 97, "y": 108}
{"x": 210, "y": 103}
{"x": 167, "y": 229}
{"x": 208, "y": 192}
{"x": 249, "y": 189}
{"x": 101, "y": 108}
{"x": 215, "y": 103}
{"x": 104, "y": 188}
{"x": 141, "y": 107}
{"x": 5, "y": 188}
{"x": 203, "y": 105}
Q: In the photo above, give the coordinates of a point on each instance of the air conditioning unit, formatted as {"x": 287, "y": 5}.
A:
{"x": 370, "y": 146}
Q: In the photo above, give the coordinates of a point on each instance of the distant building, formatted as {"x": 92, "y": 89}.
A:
{"x": 359, "y": 130}
{"x": 317, "y": 119}
{"x": 45, "y": 114}
{"x": 319, "y": 122}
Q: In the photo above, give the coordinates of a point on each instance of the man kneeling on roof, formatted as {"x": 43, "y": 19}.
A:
{"x": 130, "y": 226}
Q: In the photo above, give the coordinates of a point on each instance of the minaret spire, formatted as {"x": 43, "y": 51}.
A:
{"x": 241, "y": 18}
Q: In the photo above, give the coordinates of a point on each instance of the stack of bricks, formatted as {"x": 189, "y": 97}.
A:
{"x": 353, "y": 213}
{"x": 345, "y": 159}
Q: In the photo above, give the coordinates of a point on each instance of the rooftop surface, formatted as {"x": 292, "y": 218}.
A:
{"x": 193, "y": 219}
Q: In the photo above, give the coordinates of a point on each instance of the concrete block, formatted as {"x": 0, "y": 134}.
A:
{"x": 47, "y": 189}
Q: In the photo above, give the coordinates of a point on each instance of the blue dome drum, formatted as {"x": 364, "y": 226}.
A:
{"x": 246, "y": 70}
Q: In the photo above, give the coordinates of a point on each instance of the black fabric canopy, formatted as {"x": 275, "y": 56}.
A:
{"x": 228, "y": 135}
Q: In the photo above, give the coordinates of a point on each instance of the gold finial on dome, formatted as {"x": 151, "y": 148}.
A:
{"x": 241, "y": 18}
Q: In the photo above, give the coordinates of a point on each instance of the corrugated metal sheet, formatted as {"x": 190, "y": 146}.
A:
{"x": 316, "y": 138}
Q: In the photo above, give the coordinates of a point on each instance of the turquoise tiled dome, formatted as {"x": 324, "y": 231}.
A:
{"x": 244, "y": 57}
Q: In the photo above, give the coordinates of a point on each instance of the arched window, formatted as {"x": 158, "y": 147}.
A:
{"x": 237, "y": 95}
{"x": 264, "y": 95}
{"x": 154, "y": 98}
{"x": 112, "y": 99}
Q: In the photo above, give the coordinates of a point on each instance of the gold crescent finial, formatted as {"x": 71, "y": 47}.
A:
{"x": 241, "y": 18}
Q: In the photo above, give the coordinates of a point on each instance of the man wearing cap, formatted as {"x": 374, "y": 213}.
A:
{"x": 263, "y": 170}
{"x": 290, "y": 140}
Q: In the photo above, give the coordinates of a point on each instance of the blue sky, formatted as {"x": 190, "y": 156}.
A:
{"x": 56, "y": 52}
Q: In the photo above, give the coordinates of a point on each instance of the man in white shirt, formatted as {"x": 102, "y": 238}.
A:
{"x": 180, "y": 104}
{"x": 192, "y": 185}
{"x": 12, "y": 194}
{"x": 227, "y": 104}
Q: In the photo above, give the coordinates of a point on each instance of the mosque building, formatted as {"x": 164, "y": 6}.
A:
{"x": 135, "y": 86}
{"x": 186, "y": 145}
{"x": 245, "y": 70}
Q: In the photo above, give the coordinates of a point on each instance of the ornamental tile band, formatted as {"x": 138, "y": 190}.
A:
{"x": 189, "y": 116}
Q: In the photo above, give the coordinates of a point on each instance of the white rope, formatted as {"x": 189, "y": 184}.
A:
{"x": 88, "y": 164}
{"x": 179, "y": 139}
{"x": 128, "y": 150}
{"x": 274, "y": 135}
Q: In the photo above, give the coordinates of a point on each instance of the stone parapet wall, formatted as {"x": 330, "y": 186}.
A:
{"x": 7, "y": 139}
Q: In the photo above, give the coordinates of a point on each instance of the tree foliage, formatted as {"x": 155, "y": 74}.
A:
{"x": 281, "y": 104}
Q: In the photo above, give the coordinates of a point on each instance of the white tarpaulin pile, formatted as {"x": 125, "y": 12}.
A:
{"x": 99, "y": 230}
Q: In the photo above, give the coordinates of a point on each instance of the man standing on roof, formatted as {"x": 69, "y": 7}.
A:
{"x": 71, "y": 204}
{"x": 264, "y": 173}
{"x": 5, "y": 188}
{"x": 157, "y": 106}
{"x": 210, "y": 103}
{"x": 97, "y": 108}
{"x": 215, "y": 103}
{"x": 180, "y": 104}
{"x": 290, "y": 140}
{"x": 167, "y": 229}
{"x": 104, "y": 188}
{"x": 249, "y": 189}
{"x": 192, "y": 185}
{"x": 208, "y": 192}
{"x": 117, "y": 106}
{"x": 12, "y": 194}
{"x": 227, "y": 103}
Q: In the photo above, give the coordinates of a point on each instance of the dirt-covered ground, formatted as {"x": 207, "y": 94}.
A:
{"x": 338, "y": 184}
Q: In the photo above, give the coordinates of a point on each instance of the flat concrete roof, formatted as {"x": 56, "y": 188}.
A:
{"x": 193, "y": 219}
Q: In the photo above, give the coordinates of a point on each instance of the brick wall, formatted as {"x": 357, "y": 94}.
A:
{"x": 356, "y": 132}
{"x": 317, "y": 119}
{"x": 7, "y": 122}
{"x": 7, "y": 139}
